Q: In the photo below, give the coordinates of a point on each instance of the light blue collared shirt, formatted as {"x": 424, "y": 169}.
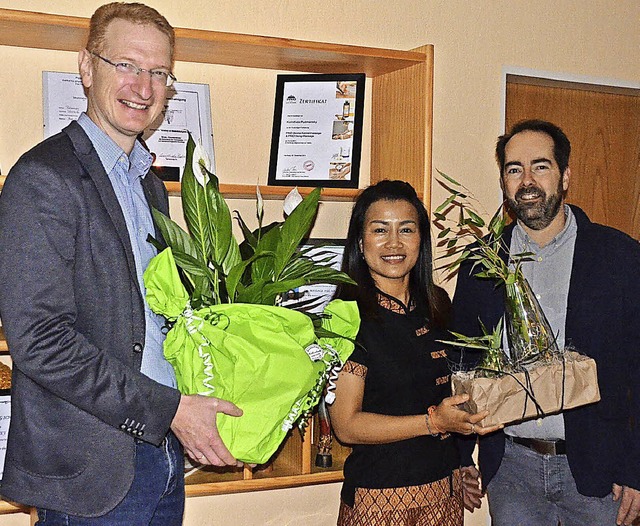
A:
{"x": 548, "y": 272}
{"x": 126, "y": 173}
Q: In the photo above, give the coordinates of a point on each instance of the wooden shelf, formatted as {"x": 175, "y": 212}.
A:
{"x": 401, "y": 126}
{"x": 245, "y": 191}
{"x": 69, "y": 33}
{"x": 12, "y": 507}
{"x": 239, "y": 486}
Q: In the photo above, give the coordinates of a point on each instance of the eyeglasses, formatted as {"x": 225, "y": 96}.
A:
{"x": 161, "y": 77}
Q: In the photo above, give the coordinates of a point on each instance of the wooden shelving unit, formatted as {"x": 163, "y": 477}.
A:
{"x": 401, "y": 124}
{"x": 4, "y": 349}
{"x": 244, "y": 191}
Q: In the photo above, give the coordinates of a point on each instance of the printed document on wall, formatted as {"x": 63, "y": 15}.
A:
{"x": 187, "y": 109}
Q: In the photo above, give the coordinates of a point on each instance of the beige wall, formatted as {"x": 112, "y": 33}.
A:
{"x": 473, "y": 41}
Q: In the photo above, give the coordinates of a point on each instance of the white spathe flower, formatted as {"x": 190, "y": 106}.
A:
{"x": 259, "y": 204}
{"x": 292, "y": 200}
{"x": 200, "y": 164}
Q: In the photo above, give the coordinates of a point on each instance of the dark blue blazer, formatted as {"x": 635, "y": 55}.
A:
{"x": 74, "y": 320}
{"x": 603, "y": 322}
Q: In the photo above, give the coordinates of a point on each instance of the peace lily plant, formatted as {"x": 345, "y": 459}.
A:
{"x": 215, "y": 268}
{"x": 229, "y": 337}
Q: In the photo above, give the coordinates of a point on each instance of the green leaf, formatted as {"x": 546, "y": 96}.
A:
{"x": 497, "y": 335}
{"x": 226, "y": 252}
{"x": 326, "y": 275}
{"x": 196, "y": 207}
{"x": 263, "y": 269}
{"x": 173, "y": 235}
{"x": 497, "y": 223}
{"x": 312, "y": 271}
{"x": 249, "y": 237}
{"x": 476, "y": 219}
{"x": 440, "y": 216}
{"x": 295, "y": 228}
{"x": 192, "y": 265}
{"x": 450, "y": 179}
{"x": 236, "y": 272}
{"x": 446, "y": 203}
{"x": 254, "y": 293}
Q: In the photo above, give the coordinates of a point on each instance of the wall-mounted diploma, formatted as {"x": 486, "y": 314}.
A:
{"x": 187, "y": 109}
{"x": 317, "y": 130}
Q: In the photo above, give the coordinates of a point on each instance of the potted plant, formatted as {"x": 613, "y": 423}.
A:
{"x": 533, "y": 377}
{"x": 228, "y": 337}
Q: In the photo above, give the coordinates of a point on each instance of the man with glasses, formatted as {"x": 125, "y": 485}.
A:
{"x": 96, "y": 416}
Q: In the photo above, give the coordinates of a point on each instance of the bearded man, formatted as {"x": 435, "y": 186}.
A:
{"x": 581, "y": 466}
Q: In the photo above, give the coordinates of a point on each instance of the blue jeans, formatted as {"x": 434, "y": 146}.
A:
{"x": 156, "y": 496}
{"x": 531, "y": 489}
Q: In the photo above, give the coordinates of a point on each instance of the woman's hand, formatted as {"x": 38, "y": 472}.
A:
{"x": 471, "y": 491}
{"x": 449, "y": 417}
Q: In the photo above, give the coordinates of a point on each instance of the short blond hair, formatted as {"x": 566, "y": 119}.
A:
{"x": 131, "y": 12}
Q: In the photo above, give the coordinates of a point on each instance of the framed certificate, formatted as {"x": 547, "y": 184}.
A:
{"x": 187, "y": 109}
{"x": 317, "y": 130}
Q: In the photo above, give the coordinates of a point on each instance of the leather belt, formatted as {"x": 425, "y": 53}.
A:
{"x": 544, "y": 447}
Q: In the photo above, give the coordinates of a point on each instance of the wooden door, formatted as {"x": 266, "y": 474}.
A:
{"x": 603, "y": 125}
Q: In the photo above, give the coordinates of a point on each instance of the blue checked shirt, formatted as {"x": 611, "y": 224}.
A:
{"x": 126, "y": 173}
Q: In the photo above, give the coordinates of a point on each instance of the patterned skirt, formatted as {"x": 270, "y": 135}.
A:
{"x": 438, "y": 503}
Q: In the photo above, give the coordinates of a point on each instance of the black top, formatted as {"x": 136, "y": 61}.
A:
{"x": 406, "y": 371}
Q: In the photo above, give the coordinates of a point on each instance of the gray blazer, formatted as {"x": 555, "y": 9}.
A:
{"x": 74, "y": 321}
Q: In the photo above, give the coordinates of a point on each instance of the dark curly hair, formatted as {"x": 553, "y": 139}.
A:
{"x": 561, "y": 144}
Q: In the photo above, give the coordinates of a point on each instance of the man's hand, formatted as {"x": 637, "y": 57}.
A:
{"x": 195, "y": 426}
{"x": 471, "y": 491}
{"x": 629, "y": 504}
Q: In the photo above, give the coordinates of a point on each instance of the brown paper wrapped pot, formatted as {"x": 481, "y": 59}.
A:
{"x": 508, "y": 402}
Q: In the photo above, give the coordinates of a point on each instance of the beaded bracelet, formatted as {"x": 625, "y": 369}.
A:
{"x": 430, "y": 412}
{"x": 426, "y": 419}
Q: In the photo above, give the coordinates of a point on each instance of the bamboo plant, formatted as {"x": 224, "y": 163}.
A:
{"x": 465, "y": 236}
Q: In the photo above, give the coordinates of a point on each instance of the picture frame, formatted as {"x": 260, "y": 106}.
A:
{"x": 187, "y": 109}
{"x": 317, "y": 130}
{"x": 313, "y": 298}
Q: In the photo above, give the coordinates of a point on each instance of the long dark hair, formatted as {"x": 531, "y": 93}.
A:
{"x": 430, "y": 298}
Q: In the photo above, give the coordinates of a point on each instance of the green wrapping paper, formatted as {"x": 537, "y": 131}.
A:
{"x": 267, "y": 360}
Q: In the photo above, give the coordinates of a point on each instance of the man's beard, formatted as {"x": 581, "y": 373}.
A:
{"x": 540, "y": 214}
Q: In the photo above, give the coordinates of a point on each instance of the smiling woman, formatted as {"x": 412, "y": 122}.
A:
{"x": 393, "y": 402}
{"x": 390, "y": 245}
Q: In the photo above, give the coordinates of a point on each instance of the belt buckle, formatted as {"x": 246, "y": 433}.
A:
{"x": 540, "y": 446}
{"x": 544, "y": 447}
